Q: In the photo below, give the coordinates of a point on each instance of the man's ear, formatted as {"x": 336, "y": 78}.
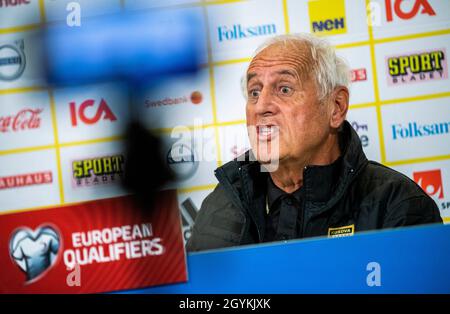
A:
{"x": 340, "y": 99}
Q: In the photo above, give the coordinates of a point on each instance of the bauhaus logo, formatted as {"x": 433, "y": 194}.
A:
{"x": 431, "y": 182}
{"x": 12, "y": 60}
{"x": 422, "y": 66}
{"x": 407, "y": 9}
{"x": 25, "y": 119}
{"x": 97, "y": 171}
{"x": 90, "y": 113}
{"x": 13, "y": 3}
{"x": 327, "y": 17}
{"x": 239, "y": 31}
{"x": 34, "y": 251}
{"x": 27, "y": 179}
{"x": 194, "y": 98}
{"x": 416, "y": 130}
{"x": 358, "y": 75}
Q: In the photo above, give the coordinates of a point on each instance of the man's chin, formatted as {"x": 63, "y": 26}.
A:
{"x": 269, "y": 165}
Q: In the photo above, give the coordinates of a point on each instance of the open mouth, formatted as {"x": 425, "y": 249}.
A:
{"x": 267, "y": 132}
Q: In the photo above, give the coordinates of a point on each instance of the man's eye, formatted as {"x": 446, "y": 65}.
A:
{"x": 285, "y": 90}
{"x": 254, "y": 93}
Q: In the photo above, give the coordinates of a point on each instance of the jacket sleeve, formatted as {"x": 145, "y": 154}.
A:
{"x": 218, "y": 224}
{"x": 415, "y": 210}
{"x": 196, "y": 241}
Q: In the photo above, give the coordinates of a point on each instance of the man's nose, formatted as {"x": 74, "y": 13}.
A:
{"x": 265, "y": 104}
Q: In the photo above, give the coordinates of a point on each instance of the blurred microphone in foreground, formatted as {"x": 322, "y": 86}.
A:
{"x": 138, "y": 49}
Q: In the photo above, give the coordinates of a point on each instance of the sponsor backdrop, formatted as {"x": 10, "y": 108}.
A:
{"x": 60, "y": 147}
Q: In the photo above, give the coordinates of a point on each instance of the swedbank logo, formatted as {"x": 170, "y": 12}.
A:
{"x": 195, "y": 98}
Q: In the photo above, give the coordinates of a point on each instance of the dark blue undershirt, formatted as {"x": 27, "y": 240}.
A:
{"x": 284, "y": 220}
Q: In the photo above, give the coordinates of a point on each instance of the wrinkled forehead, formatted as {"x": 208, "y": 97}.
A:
{"x": 294, "y": 56}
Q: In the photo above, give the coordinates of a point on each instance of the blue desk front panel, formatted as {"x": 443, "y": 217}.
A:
{"x": 411, "y": 260}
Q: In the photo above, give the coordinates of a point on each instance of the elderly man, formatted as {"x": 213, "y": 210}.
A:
{"x": 320, "y": 182}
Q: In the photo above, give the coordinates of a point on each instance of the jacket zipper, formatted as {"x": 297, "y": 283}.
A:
{"x": 250, "y": 210}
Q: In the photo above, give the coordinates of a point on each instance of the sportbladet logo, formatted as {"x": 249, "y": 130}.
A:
{"x": 420, "y": 66}
{"x": 34, "y": 251}
{"x": 97, "y": 171}
{"x": 415, "y": 129}
{"x": 238, "y": 31}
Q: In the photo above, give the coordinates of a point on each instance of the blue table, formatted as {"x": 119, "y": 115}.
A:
{"x": 408, "y": 260}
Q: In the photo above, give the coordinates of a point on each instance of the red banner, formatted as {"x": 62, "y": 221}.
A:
{"x": 98, "y": 246}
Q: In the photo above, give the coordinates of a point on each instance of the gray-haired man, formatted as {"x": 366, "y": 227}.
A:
{"x": 297, "y": 97}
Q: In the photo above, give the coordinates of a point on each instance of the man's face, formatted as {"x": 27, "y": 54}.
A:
{"x": 283, "y": 109}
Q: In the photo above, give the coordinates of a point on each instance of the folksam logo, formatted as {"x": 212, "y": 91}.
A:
{"x": 414, "y": 129}
{"x": 237, "y": 31}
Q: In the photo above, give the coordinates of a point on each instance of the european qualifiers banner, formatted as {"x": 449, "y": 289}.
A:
{"x": 99, "y": 246}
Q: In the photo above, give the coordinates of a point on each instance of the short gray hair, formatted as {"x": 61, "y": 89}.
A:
{"x": 329, "y": 70}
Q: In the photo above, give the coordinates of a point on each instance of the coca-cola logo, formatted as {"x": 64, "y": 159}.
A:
{"x": 25, "y": 119}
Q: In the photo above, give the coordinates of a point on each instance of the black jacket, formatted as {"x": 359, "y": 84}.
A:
{"x": 366, "y": 196}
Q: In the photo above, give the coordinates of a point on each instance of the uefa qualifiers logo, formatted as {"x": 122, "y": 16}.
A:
{"x": 34, "y": 251}
{"x": 12, "y": 61}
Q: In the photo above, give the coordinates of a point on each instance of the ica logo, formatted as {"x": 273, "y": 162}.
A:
{"x": 419, "y": 6}
{"x": 89, "y": 113}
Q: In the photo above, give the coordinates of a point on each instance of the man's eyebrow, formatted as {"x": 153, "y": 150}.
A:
{"x": 287, "y": 72}
{"x": 250, "y": 76}
{"x": 281, "y": 72}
